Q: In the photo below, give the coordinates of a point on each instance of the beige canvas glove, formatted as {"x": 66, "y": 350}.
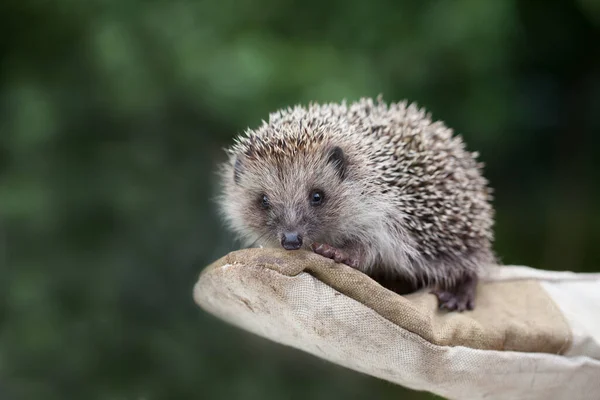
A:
{"x": 533, "y": 335}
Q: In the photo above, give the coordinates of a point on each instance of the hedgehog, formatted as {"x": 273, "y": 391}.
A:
{"x": 381, "y": 188}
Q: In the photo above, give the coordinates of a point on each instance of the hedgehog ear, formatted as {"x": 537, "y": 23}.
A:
{"x": 338, "y": 159}
{"x": 238, "y": 168}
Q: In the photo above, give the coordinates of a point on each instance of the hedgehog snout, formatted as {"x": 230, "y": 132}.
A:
{"x": 291, "y": 240}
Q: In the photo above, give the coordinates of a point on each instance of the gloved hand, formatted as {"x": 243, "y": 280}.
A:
{"x": 533, "y": 335}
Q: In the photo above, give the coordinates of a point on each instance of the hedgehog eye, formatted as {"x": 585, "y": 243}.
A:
{"x": 316, "y": 197}
{"x": 264, "y": 201}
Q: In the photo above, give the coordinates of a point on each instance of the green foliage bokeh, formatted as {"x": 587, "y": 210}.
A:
{"x": 113, "y": 115}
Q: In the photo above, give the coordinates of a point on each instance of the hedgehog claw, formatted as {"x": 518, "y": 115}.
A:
{"x": 337, "y": 255}
{"x": 454, "y": 301}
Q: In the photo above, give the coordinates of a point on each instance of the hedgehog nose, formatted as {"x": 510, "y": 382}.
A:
{"x": 291, "y": 240}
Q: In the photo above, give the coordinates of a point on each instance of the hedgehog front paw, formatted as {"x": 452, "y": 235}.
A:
{"x": 339, "y": 256}
{"x": 460, "y": 297}
{"x": 454, "y": 301}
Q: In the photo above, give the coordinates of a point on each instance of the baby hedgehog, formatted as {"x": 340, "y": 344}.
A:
{"x": 383, "y": 189}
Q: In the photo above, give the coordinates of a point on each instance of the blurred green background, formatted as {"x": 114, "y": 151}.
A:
{"x": 113, "y": 115}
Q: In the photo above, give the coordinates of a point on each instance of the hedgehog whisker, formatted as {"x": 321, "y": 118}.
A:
{"x": 258, "y": 239}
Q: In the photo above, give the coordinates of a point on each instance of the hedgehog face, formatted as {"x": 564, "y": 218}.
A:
{"x": 289, "y": 200}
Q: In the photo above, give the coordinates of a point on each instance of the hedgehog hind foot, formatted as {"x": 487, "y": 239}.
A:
{"x": 338, "y": 255}
{"x": 458, "y": 297}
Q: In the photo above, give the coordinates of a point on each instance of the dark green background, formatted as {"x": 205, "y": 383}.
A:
{"x": 112, "y": 119}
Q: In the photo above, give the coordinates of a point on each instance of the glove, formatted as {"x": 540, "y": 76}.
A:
{"x": 533, "y": 334}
